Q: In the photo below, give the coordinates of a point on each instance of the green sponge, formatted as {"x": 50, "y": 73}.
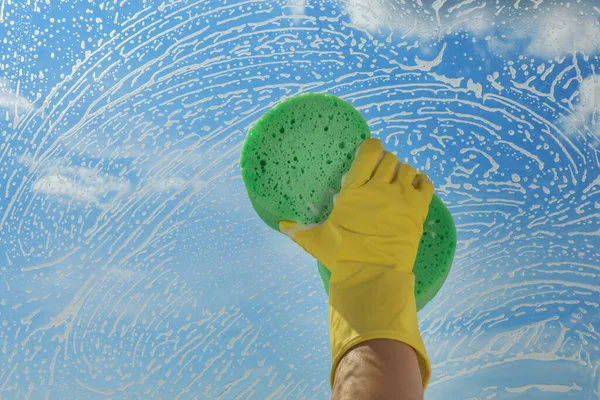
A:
{"x": 292, "y": 164}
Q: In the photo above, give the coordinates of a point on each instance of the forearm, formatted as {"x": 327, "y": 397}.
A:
{"x": 379, "y": 369}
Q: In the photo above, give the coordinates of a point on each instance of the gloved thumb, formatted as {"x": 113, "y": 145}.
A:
{"x": 286, "y": 227}
{"x": 294, "y": 230}
{"x": 312, "y": 238}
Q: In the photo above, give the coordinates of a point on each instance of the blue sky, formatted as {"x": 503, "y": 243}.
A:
{"x": 133, "y": 265}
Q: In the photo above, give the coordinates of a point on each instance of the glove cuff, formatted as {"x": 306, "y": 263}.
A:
{"x": 374, "y": 302}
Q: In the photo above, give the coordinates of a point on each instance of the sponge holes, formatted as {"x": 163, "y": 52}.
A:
{"x": 420, "y": 282}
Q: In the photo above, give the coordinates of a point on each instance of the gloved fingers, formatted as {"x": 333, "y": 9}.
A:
{"x": 309, "y": 237}
{"x": 387, "y": 168}
{"x": 424, "y": 185}
{"x": 367, "y": 158}
{"x": 405, "y": 176}
{"x": 288, "y": 228}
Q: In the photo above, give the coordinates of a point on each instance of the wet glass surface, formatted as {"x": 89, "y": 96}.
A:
{"x": 133, "y": 266}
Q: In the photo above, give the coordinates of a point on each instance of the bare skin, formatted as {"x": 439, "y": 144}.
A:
{"x": 379, "y": 369}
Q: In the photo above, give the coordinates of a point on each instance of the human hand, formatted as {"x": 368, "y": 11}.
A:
{"x": 377, "y": 218}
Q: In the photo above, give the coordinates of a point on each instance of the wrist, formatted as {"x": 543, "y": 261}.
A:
{"x": 373, "y": 302}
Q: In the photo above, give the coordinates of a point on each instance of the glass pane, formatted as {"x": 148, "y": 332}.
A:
{"x": 132, "y": 264}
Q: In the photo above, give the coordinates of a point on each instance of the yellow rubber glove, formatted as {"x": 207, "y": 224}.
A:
{"x": 370, "y": 243}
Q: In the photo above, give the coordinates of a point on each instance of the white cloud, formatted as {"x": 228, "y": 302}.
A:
{"x": 564, "y": 31}
{"x": 552, "y": 32}
{"x": 589, "y": 95}
{"x": 424, "y": 22}
{"x": 80, "y": 184}
{"x": 11, "y": 101}
{"x": 166, "y": 185}
{"x": 297, "y": 7}
{"x": 587, "y": 111}
{"x": 368, "y": 14}
{"x": 386, "y": 15}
